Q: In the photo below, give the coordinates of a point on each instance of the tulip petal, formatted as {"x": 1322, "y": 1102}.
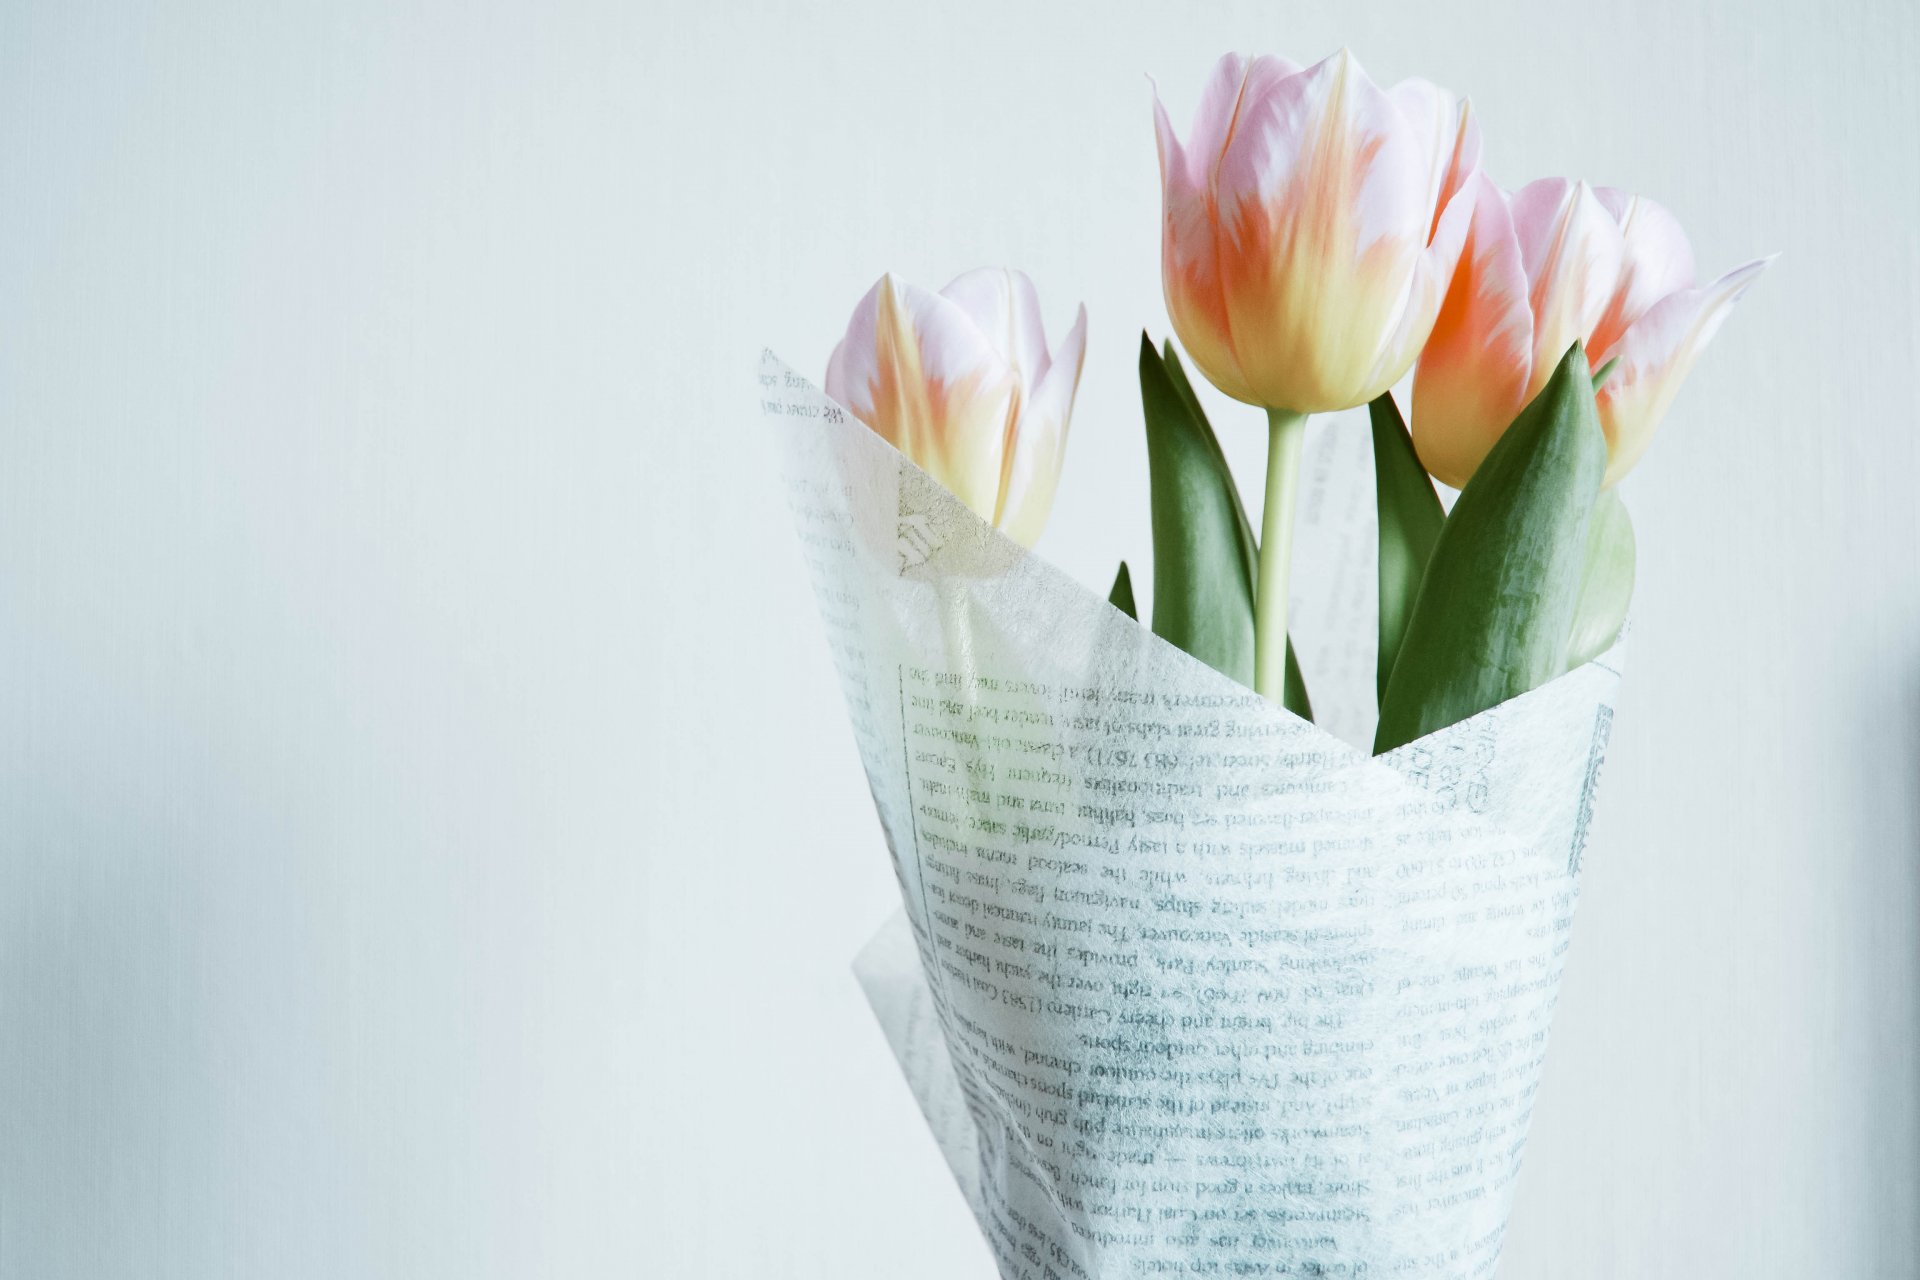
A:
{"x": 1038, "y": 448}
{"x": 1005, "y": 309}
{"x": 1328, "y": 141}
{"x": 915, "y": 368}
{"x": 1322, "y": 201}
{"x": 1166, "y": 143}
{"x": 1656, "y": 260}
{"x": 1474, "y": 373}
{"x": 850, "y": 367}
{"x": 1571, "y": 249}
{"x": 1432, "y": 277}
{"x": 1655, "y": 356}
{"x": 1235, "y": 81}
{"x": 1444, "y": 122}
{"x": 1189, "y": 261}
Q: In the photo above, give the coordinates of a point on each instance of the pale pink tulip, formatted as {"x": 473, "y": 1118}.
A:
{"x": 1553, "y": 263}
{"x": 961, "y": 381}
{"x": 1312, "y": 222}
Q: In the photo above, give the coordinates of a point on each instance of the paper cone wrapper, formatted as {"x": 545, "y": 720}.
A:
{"x": 1185, "y": 985}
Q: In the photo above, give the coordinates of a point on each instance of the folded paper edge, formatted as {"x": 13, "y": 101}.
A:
{"x": 890, "y": 974}
{"x": 1611, "y": 661}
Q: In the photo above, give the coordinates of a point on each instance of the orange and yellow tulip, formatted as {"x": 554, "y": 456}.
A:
{"x": 1311, "y": 224}
{"x": 962, "y": 382}
{"x": 1555, "y": 262}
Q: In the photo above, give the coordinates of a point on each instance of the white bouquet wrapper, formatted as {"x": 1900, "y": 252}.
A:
{"x": 1184, "y": 984}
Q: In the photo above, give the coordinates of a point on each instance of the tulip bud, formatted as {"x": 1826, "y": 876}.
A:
{"x": 1312, "y": 222}
{"x": 1554, "y": 263}
{"x": 961, "y": 382}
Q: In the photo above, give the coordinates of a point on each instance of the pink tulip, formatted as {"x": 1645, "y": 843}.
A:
{"x": 1556, "y": 262}
{"x": 1312, "y": 222}
{"x": 961, "y": 382}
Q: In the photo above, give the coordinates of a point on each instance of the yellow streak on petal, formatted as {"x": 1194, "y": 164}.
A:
{"x": 953, "y": 430}
{"x": 1009, "y": 440}
{"x": 1636, "y": 398}
{"x": 1307, "y": 308}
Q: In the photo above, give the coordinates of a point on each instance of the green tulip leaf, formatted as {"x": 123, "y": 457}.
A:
{"x": 1606, "y": 587}
{"x": 1177, "y": 374}
{"x": 1121, "y": 597}
{"x": 1496, "y": 607}
{"x": 1410, "y": 520}
{"x": 1294, "y": 695}
{"x": 1205, "y": 560}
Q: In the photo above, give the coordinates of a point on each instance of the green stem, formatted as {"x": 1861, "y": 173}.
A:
{"x": 1285, "y": 432}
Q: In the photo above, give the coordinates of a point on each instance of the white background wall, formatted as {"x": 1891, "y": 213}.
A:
{"x": 430, "y": 844}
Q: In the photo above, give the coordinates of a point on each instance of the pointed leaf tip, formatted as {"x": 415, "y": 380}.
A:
{"x": 1410, "y": 518}
{"x": 1121, "y": 596}
{"x": 1496, "y": 608}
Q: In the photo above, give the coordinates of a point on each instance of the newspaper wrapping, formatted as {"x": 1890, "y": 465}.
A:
{"x": 1184, "y": 984}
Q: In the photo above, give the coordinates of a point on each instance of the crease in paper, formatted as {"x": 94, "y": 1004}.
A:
{"x": 1183, "y": 984}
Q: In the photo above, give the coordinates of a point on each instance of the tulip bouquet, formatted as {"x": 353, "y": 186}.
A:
{"x": 1184, "y": 983}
